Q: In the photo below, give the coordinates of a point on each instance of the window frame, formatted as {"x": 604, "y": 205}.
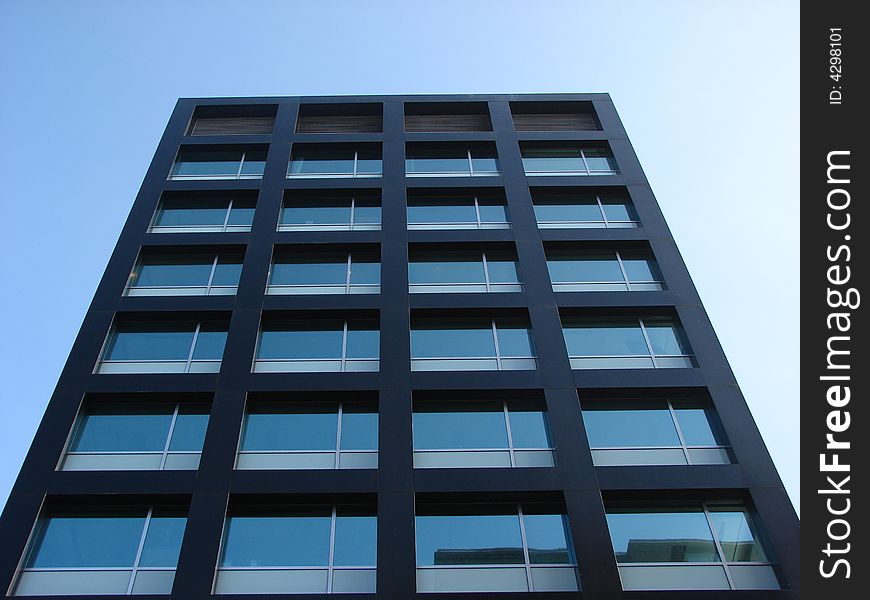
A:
{"x": 187, "y": 365}
{"x": 338, "y": 453}
{"x": 511, "y": 449}
{"x": 134, "y": 569}
{"x": 469, "y": 173}
{"x": 726, "y": 565}
{"x": 527, "y": 565}
{"x": 626, "y": 285}
{"x": 239, "y": 174}
{"x": 485, "y": 286}
{"x": 330, "y": 567}
{"x": 224, "y": 228}
{"x": 354, "y": 174}
{"x": 209, "y": 289}
{"x": 479, "y": 223}
{"x": 604, "y": 223}
{"x": 348, "y": 287}
{"x": 600, "y": 452}
{"x": 651, "y": 360}
{"x": 586, "y": 171}
{"x": 165, "y": 454}
{"x": 498, "y": 361}
{"x": 309, "y": 365}
{"x": 351, "y": 225}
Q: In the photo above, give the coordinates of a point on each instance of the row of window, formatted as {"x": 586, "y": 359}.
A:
{"x": 368, "y": 118}
{"x": 340, "y": 434}
{"x": 362, "y": 212}
{"x": 317, "y": 344}
{"x": 357, "y": 271}
{"x": 364, "y": 160}
{"x": 460, "y": 547}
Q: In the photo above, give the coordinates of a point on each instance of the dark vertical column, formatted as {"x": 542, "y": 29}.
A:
{"x": 597, "y": 568}
{"x": 199, "y": 551}
{"x": 396, "y": 564}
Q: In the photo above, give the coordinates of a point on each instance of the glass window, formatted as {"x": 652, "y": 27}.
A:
{"x": 335, "y": 161}
{"x": 434, "y": 211}
{"x": 470, "y": 548}
{"x": 199, "y": 163}
{"x": 455, "y": 338}
{"x": 469, "y": 539}
{"x": 529, "y": 427}
{"x": 297, "y": 538}
{"x": 203, "y": 214}
{"x": 734, "y": 531}
{"x": 598, "y": 267}
{"x": 310, "y": 270}
{"x": 331, "y": 213}
{"x": 560, "y": 160}
{"x": 192, "y": 273}
{"x": 451, "y": 160}
{"x": 113, "y": 427}
{"x": 103, "y": 550}
{"x": 210, "y": 342}
{"x": 598, "y": 159}
{"x": 578, "y": 210}
{"x": 171, "y": 342}
{"x": 664, "y": 337}
{"x": 356, "y": 535}
{"x": 322, "y": 339}
{"x": 626, "y": 424}
{"x": 698, "y": 425}
{"x": 661, "y": 536}
{"x": 446, "y": 267}
{"x": 460, "y": 425}
{"x": 359, "y": 427}
{"x": 442, "y": 212}
{"x": 514, "y": 339}
{"x": 188, "y": 433}
{"x": 290, "y": 426}
{"x": 604, "y": 338}
{"x": 318, "y": 344}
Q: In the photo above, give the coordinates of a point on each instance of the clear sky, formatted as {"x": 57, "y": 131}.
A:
{"x": 708, "y": 92}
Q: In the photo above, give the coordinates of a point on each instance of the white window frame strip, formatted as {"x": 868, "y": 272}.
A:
{"x": 566, "y": 286}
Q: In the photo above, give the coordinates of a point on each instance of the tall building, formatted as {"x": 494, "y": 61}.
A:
{"x": 393, "y": 346}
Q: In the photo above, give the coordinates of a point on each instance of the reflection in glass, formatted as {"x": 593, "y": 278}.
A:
{"x": 661, "y": 536}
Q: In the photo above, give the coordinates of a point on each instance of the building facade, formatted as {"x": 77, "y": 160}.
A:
{"x": 398, "y": 346}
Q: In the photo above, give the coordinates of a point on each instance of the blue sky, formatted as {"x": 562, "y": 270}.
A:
{"x": 708, "y": 92}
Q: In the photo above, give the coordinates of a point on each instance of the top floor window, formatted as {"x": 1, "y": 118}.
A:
{"x": 567, "y": 159}
{"x": 577, "y": 210}
{"x": 340, "y": 118}
{"x": 255, "y": 119}
{"x": 335, "y": 160}
{"x": 554, "y": 116}
{"x": 445, "y": 210}
{"x": 205, "y": 162}
{"x": 444, "y": 116}
{"x": 103, "y": 550}
{"x": 711, "y": 546}
{"x": 451, "y": 160}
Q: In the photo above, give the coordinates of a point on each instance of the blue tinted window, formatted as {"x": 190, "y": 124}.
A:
{"x": 552, "y": 159}
{"x": 484, "y": 164}
{"x": 469, "y": 540}
{"x": 616, "y": 338}
{"x": 735, "y": 535}
{"x": 639, "y": 268}
{"x": 189, "y": 431}
{"x": 317, "y": 214}
{"x": 514, "y": 341}
{"x": 271, "y": 541}
{"x": 453, "y": 341}
{"x": 192, "y": 213}
{"x": 627, "y": 425}
{"x": 568, "y": 209}
{"x": 173, "y": 271}
{"x": 87, "y": 541}
{"x": 440, "y": 160}
{"x": 696, "y": 427}
{"x": 332, "y": 161}
{"x": 363, "y": 343}
{"x": 460, "y": 212}
{"x": 209, "y": 343}
{"x": 446, "y": 268}
{"x": 661, "y": 536}
{"x": 300, "y": 344}
{"x": 298, "y": 426}
{"x": 546, "y": 536}
{"x": 529, "y": 428}
{"x": 502, "y": 271}
{"x": 207, "y": 163}
{"x": 227, "y": 272}
{"x": 663, "y": 337}
{"x": 618, "y": 210}
{"x": 325, "y": 271}
{"x": 365, "y": 273}
{"x": 492, "y": 212}
{"x": 366, "y": 213}
{"x": 465, "y": 427}
{"x": 163, "y": 542}
{"x": 599, "y": 160}
{"x": 586, "y": 268}
{"x": 359, "y": 430}
{"x": 255, "y": 162}
{"x": 356, "y": 541}
{"x": 123, "y": 429}
{"x": 150, "y": 345}
{"x": 241, "y": 214}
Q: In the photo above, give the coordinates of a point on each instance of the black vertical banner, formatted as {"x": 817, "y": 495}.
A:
{"x": 835, "y": 224}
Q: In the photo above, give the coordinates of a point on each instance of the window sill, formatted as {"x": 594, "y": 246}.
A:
{"x": 632, "y": 362}
{"x": 357, "y": 365}
{"x": 130, "y": 461}
{"x": 496, "y": 578}
{"x": 588, "y": 224}
{"x": 212, "y": 177}
{"x": 199, "y": 229}
{"x": 676, "y": 576}
{"x": 635, "y": 457}
{"x": 77, "y": 581}
{"x": 292, "y": 460}
{"x": 476, "y": 459}
{"x": 300, "y": 580}
{"x": 182, "y": 291}
{"x": 473, "y": 364}
{"x": 287, "y": 290}
{"x": 332, "y": 227}
{"x": 430, "y": 226}
{"x": 462, "y": 288}
{"x": 601, "y": 286}
{"x": 109, "y": 367}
